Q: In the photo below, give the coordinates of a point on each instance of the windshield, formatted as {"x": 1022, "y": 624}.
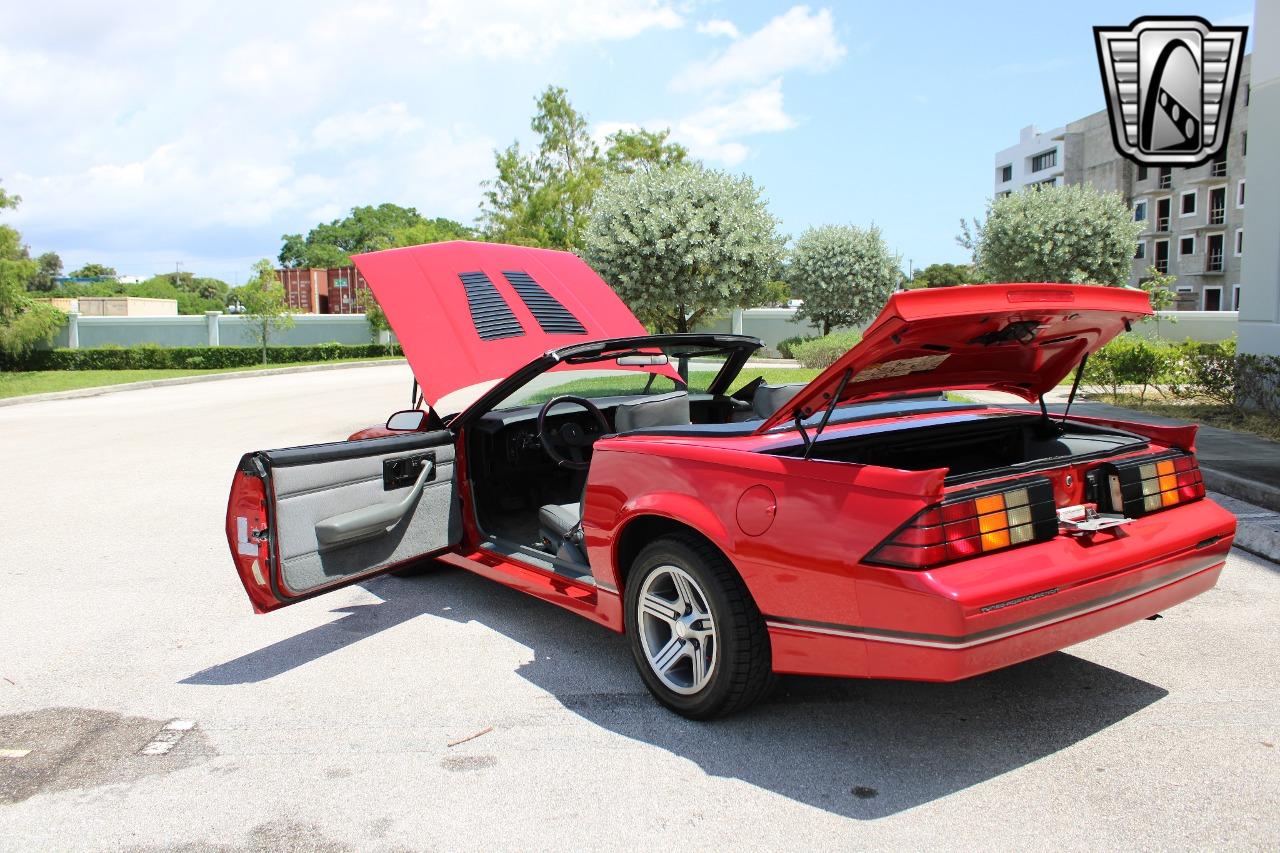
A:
{"x": 602, "y": 376}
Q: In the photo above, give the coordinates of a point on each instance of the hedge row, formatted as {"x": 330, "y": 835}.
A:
{"x": 149, "y": 356}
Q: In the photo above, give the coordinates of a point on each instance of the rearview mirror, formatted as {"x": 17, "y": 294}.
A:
{"x": 410, "y": 420}
{"x": 641, "y": 360}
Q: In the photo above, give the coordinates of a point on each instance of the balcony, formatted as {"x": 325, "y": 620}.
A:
{"x": 1162, "y": 224}
{"x": 1217, "y": 215}
{"x": 1213, "y": 262}
{"x": 1218, "y": 169}
{"x": 1165, "y": 182}
{"x": 1162, "y": 266}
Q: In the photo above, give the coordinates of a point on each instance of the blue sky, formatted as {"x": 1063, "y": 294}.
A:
{"x": 147, "y": 134}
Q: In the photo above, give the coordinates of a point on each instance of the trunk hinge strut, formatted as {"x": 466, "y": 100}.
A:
{"x": 826, "y": 415}
{"x": 1075, "y": 384}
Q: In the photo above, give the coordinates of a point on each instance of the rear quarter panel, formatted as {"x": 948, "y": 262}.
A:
{"x": 827, "y": 516}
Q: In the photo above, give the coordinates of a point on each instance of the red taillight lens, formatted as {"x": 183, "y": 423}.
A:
{"x": 973, "y": 523}
{"x": 1140, "y": 486}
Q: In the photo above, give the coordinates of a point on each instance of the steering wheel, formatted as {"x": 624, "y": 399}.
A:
{"x": 571, "y": 437}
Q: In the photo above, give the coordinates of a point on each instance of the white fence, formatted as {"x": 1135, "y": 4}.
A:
{"x": 770, "y": 325}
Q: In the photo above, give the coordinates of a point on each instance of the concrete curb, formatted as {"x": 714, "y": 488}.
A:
{"x": 189, "y": 380}
{"x": 1254, "y": 492}
{"x": 1257, "y": 529}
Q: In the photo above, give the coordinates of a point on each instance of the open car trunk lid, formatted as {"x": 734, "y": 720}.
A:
{"x": 1019, "y": 338}
{"x": 469, "y": 314}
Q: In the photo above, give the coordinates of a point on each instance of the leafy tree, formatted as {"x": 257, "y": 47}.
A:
{"x": 1159, "y": 289}
{"x": 542, "y": 199}
{"x": 635, "y": 150}
{"x": 48, "y": 268}
{"x": 366, "y": 229}
{"x": 681, "y": 244}
{"x": 23, "y": 321}
{"x": 93, "y": 271}
{"x": 264, "y": 305}
{"x": 843, "y": 273}
{"x": 943, "y": 275}
{"x": 1069, "y": 234}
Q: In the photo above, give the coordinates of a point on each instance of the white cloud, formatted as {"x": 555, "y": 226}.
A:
{"x": 797, "y": 39}
{"x": 375, "y": 124}
{"x": 714, "y": 132}
{"x": 515, "y": 29}
{"x": 719, "y": 28}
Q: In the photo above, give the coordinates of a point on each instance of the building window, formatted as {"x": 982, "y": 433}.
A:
{"x": 1166, "y": 177}
{"x": 1141, "y": 251}
{"x": 1162, "y": 214}
{"x": 1044, "y": 160}
{"x": 1239, "y": 242}
{"x": 1235, "y": 297}
{"x": 1187, "y": 246}
{"x": 1217, "y": 205}
{"x": 1162, "y": 256}
{"x": 1142, "y": 173}
{"x": 1213, "y": 256}
{"x": 1006, "y": 173}
{"x": 1244, "y": 143}
{"x": 1247, "y": 91}
{"x": 1212, "y": 299}
{"x": 1004, "y": 193}
{"x": 1218, "y": 166}
{"x": 1240, "y": 193}
{"x": 1140, "y": 211}
{"x": 1187, "y": 205}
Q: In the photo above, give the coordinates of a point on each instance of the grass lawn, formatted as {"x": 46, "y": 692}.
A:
{"x": 44, "y": 381}
{"x": 1204, "y": 413}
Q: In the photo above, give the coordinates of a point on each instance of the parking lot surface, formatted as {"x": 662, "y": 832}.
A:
{"x": 143, "y": 705}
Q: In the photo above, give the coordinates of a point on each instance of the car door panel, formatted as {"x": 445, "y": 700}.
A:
{"x": 338, "y": 513}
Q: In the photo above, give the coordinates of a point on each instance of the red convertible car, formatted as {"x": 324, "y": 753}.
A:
{"x": 858, "y": 525}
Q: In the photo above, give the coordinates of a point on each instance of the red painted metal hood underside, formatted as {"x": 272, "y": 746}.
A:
{"x": 1019, "y": 338}
{"x": 469, "y": 314}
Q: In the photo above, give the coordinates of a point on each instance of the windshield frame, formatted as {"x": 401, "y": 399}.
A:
{"x": 740, "y": 348}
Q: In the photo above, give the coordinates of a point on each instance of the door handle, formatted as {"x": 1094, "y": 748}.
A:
{"x": 370, "y": 521}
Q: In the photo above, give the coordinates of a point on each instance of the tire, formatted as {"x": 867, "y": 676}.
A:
{"x": 696, "y": 672}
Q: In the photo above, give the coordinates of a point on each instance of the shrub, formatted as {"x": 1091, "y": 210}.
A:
{"x": 1128, "y": 361}
{"x": 1205, "y": 371}
{"x": 1258, "y": 383}
{"x": 151, "y": 356}
{"x": 786, "y": 348}
{"x": 823, "y": 352}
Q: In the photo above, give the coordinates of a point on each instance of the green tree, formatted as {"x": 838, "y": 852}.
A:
{"x": 643, "y": 150}
{"x": 366, "y": 229}
{"x": 264, "y": 305}
{"x": 543, "y": 198}
{"x": 23, "y": 321}
{"x": 943, "y": 275}
{"x": 93, "y": 271}
{"x": 1071, "y": 234}
{"x": 48, "y": 268}
{"x": 843, "y": 273}
{"x": 679, "y": 245}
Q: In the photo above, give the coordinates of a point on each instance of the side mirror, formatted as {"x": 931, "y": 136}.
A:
{"x": 410, "y": 420}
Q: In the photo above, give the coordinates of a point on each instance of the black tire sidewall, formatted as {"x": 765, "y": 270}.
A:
{"x": 675, "y": 552}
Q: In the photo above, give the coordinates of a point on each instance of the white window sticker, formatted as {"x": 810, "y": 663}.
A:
{"x": 899, "y": 367}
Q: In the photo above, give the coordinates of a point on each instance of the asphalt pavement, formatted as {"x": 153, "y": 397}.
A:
{"x": 143, "y": 705}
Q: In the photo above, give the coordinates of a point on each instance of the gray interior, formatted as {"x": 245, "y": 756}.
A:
{"x": 658, "y": 410}
{"x": 343, "y": 503}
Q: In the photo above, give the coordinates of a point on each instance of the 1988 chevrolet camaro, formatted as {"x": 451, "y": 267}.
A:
{"x": 859, "y": 525}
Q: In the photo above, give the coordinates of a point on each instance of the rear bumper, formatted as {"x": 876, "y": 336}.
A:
{"x": 1031, "y": 621}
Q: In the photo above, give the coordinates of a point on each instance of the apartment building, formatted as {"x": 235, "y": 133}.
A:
{"x": 1193, "y": 218}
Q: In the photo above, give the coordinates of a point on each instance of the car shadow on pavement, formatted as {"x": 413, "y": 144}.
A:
{"x": 863, "y": 749}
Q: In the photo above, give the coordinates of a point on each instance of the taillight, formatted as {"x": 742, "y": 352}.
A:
{"x": 1139, "y": 486}
{"x": 971, "y": 523}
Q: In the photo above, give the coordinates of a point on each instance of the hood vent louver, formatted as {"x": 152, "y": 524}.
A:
{"x": 553, "y": 317}
{"x": 490, "y": 313}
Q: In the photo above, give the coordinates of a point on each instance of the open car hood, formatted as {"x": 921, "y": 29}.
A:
{"x": 469, "y": 314}
{"x": 1019, "y": 338}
